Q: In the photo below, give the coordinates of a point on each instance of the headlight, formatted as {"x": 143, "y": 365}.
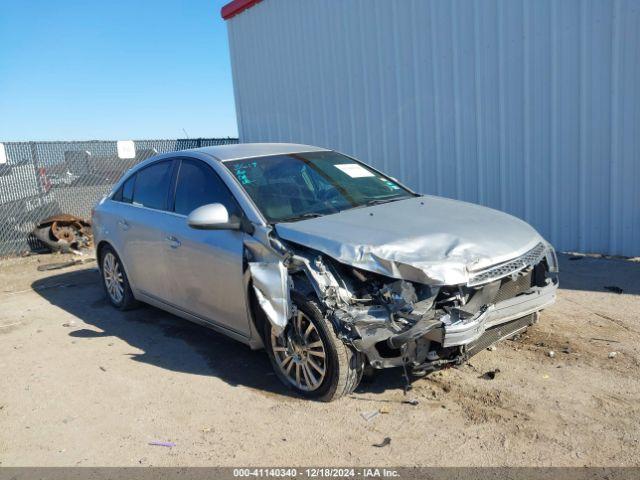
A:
{"x": 552, "y": 259}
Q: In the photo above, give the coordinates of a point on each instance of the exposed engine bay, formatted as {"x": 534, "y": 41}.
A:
{"x": 396, "y": 322}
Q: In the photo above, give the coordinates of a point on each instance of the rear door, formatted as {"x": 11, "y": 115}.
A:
{"x": 205, "y": 266}
{"x": 140, "y": 226}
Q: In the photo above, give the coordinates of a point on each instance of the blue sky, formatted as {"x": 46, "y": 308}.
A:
{"x": 114, "y": 69}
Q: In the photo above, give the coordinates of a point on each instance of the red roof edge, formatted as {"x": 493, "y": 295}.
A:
{"x": 235, "y": 7}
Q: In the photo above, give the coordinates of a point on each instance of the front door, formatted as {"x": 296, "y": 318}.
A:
{"x": 205, "y": 266}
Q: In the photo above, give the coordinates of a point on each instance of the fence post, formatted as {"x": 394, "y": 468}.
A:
{"x": 36, "y": 170}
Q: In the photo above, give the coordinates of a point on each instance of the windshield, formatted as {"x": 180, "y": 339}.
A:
{"x": 304, "y": 185}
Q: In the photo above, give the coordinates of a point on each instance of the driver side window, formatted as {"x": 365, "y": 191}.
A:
{"x": 197, "y": 185}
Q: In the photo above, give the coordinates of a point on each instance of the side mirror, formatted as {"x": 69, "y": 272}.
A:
{"x": 213, "y": 216}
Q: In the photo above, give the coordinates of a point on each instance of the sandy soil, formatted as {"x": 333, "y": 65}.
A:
{"x": 83, "y": 384}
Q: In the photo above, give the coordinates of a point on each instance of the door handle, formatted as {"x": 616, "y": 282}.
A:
{"x": 172, "y": 241}
{"x": 124, "y": 225}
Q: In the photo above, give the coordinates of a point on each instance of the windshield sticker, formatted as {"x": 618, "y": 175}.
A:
{"x": 354, "y": 170}
{"x": 241, "y": 175}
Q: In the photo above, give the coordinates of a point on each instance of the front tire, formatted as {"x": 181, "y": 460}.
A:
{"x": 309, "y": 358}
{"x": 115, "y": 281}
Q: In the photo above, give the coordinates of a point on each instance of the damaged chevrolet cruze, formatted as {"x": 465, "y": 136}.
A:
{"x": 330, "y": 265}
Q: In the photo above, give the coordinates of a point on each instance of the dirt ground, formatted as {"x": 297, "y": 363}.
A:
{"x": 83, "y": 384}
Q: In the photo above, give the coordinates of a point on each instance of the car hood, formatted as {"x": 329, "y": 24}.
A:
{"x": 425, "y": 239}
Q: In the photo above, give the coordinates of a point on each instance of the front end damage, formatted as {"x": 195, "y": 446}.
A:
{"x": 396, "y": 322}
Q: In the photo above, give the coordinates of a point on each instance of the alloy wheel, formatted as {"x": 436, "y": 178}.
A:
{"x": 300, "y": 353}
{"x": 113, "y": 278}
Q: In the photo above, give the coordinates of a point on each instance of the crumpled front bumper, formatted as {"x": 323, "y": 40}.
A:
{"x": 467, "y": 337}
{"x": 470, "y": 330}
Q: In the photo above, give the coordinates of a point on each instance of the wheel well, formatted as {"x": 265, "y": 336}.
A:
{"x": 257, "y": 315}
{"x": 100, "y": 250}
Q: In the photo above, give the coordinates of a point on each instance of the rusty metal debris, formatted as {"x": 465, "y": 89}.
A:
{"x": 60, "y": 265}
{"x": 64, "y": 233}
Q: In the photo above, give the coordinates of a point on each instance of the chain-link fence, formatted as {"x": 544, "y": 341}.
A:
{"x": 41, "y": 179}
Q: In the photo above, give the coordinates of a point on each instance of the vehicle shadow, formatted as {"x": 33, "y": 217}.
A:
{"x": 175, "y": 344}
{"x": 167, "y": 341}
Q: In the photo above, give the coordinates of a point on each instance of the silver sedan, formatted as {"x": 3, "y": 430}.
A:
{"x": 329, "y": 264}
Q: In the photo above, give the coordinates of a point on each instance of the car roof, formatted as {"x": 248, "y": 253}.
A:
{"x": 248, "y": 150}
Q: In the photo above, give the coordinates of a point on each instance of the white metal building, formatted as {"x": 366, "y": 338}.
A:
{"x": 528, "y": 106}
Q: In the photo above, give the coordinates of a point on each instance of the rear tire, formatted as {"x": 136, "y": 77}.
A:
{"x": 309, "y": 358}
{"x": 115, "y": 281}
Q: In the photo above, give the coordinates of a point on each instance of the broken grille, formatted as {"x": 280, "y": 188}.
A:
{"x": 531, "y": 257}
{"x": 510, "y": 287}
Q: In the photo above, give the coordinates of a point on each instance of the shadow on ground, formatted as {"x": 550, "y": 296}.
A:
{"x": 579, "y": 272}
{"x": 175, "y": 344}
{"x": 168, "y": 341}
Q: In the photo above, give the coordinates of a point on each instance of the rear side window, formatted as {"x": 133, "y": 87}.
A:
{"x": 199, "y": 185}
{"x": 127, "y": 189}
{"x": 125, "y": 192}
{"x": 152, "y": 186}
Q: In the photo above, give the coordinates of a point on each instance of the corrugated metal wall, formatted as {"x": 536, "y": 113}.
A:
{"x": 531, "y": 107}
